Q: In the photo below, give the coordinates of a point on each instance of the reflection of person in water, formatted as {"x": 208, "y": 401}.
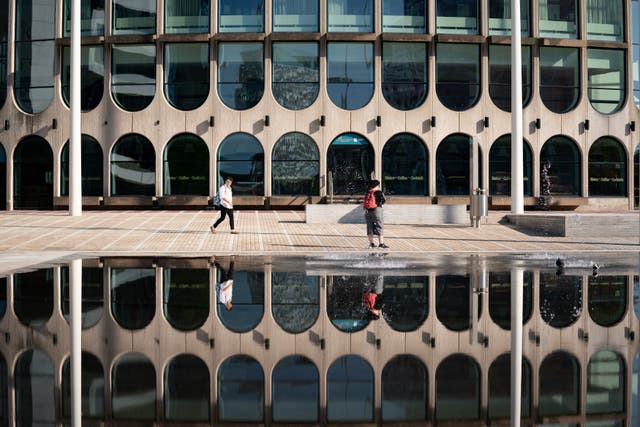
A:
{"x": 224, "y": 288}
{"x": 372, "y": 296}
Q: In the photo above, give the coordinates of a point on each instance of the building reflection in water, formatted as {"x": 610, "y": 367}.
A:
{"x": 301, "y": 345}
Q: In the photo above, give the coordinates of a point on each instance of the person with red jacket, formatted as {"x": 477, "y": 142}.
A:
{"x": 373, "y": 201}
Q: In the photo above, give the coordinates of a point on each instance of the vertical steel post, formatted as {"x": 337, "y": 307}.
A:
{"x": 517, "y": 284}
{"x": 517, "y": 172}
{"x": 75, "y": 322}
{"x": 75, "y": 144}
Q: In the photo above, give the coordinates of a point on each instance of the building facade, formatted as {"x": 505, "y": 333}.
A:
{"x": 298, "y": 100}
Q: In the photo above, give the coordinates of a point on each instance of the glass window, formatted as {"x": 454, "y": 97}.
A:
{"x": 240, "y": 390}
{"x": 458, "y": 388}
{"x": 345, "y": 306}
{"x": 561, "y": 158}
{"x": 452, "y": 166}
{"x": 295, "y": 300}
{"x": 500, "y": 18}
{"x": 134, "y": 17}
{"x": 500, "y": 299}
{"x": 559, "y": 78}
{"x": 91, "y": 167}
{"x": 457, "y": 17}
{"x": 248, "y": 301}
{"x": 296, "y": 391}
{"x": 91, "y": 79}
{"x": 4, "y": 392}
{"x": 558, "y": 18}
{"x": 133, "y": 292}
{"x": 92, "y": 295}
{"x": 500, "y": 168}
{"x": 406, "y": 302}
{"x": 133, "y": 169}
{"x": 241, "y": 156}
{"x": 33, "y": 296}
{"x": 4, "y": 32}
{"x": 350, "y": 76}
{"x": 240, "y": 16}
{"x": 240, "y": 74}
{"x": 405, "y": 74}
{"x": 296, "y": 74}
{"x": 606, "y": 79}
{"x": 295, "y": 166}
{"x": 635, "y": 47}
{"x": 458, "y": 75}
{"x": 295, "y": 16}
{"x": 605, "y": 20}
{"x": 34, "y": 390}
{"x": 636, "y": 178}
{"x": 404, "y": 389}
{"x": 185, "y": 297}
{"x": 500, "y": 75}
{"x": 453, "y": 304}
{"x": 350, "y": 16}
{"x": 607, "y": 299}
{"x": 186, "y": 389}
{"x": 186, "y": 16}
{"x": 33, "y": 174}
{"x": 350, "y": 390}
{"x": 606, "y": 383}
{"x": 405, "y": 163}
{"x": 133, "y": 388}
{"x": 559, "y": 385}
{"x": 186, "y": 74}
{"x": 500, "y": 387}
{"x": 186, "y": 166}
{"x": 3, "y": 297}
{"x": 133, "y": 75}
{"x": 91, "y": 18}
{"x": 404, "y": 16}
{"x": 560, "y": 299}
{"x": 607, "y": 168}
{"x": 92, "y": 387}
{"x": 350, "y": 164}
{"x": 34, "y": 54}
{"x": 3, "y": 178}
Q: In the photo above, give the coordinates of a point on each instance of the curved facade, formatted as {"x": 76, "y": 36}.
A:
{"x": 214, "y": 71}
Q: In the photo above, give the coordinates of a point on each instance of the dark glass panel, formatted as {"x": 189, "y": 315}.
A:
{"x": 186, "y": 166}
{"x": 296, "y": 74}
{"x": 241, "y": 16}
{"x": 500, "y": 17}
{"x": 186, "y": 297}
{"x": 91, "y": 18}
{"x": 92, "y": 392}
{"x": 296, "y": 391}
{"x": 248, "y": 301}
{"x": 240, "y": 390}
{"x": 500, "y": 75}
{"x": 458, "y": 389}
{"x": 606, "y": 383}
{"x": 133, "y": 166}
{"x": 406, "y": 302}
{"x": 91, "y": 167}
{"x": 560, "y": 78}
{"x": 453, "y": 304}
{"x": 559, "y": 385}
{"x": 452, "y": 166}
{"x": 92, "y": 295}
{"x": 295, "y": 165}
{"x": 405, "y": 74}
{"x": 345, "y": 306}
{"x": 241, "y": 156}
{"x": 295, "y": 15}
{"x": 606, "y": 79}
{"x": 186, "y": 16}
{"x": 3, "y": 297}
{"x": 404, "y": 16}
{"x": 350, "y": 16}
{"x": 34, "y": 390}
{"x": 33, "y": 296}
{"x": 558, "y": 18}
{"x": 240, "y": 74}
{"x": 134, "y": 17}
{"x": 186, "y": 389}
{"x": 500, "y": 298}
{"x": 500, "y": 388}
{"x": 561, "y": 157}
{"x": 350, "y": 163}
{"x": 350, "y": 390}
{"x": 458, "y": 75}
{"x": 133, "y": 388}
{"x": 4, "y": 32}
{"x": 91, "y": 76}
{"x": 605, "y": 20}
{"x": 457, "y": 17}
{"x": 350, "y": 74}
{"x": 295, "y": 300}
{"x": 500, "y": 167}
{"x": 607, "y": 168}
{"x": 4, "y": 392}
{"x": 404, "y": 390}
{"x": 33, "y": 174}
{"x": 186, "y": 74}
{"x": 3, "y": 178}
{"x": 405, "y": 163}
{"x": 133, "y": 76}
{"x": 560, "y": 299}
{"x": 607, "y": 299}
{"x": 133, "y": 296}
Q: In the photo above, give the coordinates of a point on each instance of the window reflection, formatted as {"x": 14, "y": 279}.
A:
{"x": 561, "y": 157}
{"x": 91, "y": 76}
{"x": 137, "y": 17}
{"x": 458, "y": 389}
{"x": 296, "y": 74}
{"x": 133, "y": 296}
{"x": 350, "y": 390}
{"x": 248, "y": 301}
{"x": 500, "y": 388}
{"x": 349, "y": 16}
{"x": 406, "y": 302}
{"x": 607, "y": 168}
{"x": 500, "y": 17}
{"x": 345, "y": 306}
{"x": 453, "y": 303}
{"x": 405, "y": 74}
{"x": 186, "y": 297}
{"x": 186, "y": 74}
{"x": 500, "y": 298}
{"x": 295, "y": 15}
{"x": 459, "y": 17}
{"x": 186, "y": 16}
{"x": 500, "y": 167}
{"x": 606, "y": 79}
{"x": 186, "y": 166}
{"x": 559, "y": 385}
{"x": 560, "y": 299}
{"x": 295, "y": 165}
{"x": 240, "y": 16}
{"x": 607, "y": 299}
{"x": 34, "y": 390}
{"x": 296, "y": 391}
{"x": 186, "y": 389}
{"x": 133, "y": 388}
{"x": 33, "y": 296}
{"x": 408, "y": 16}
{"x": 240, "y": 74}
{"x": 92, "y": 295}
{"x": 91, "y": 166}
{"x": 560, "y": 78}
{"x": 91, "y": 18}
{"x": 350, "y": 74}
{"x": 606, "y": 383}
{"x": 241, "y": 156}
{"x": 605, "y": 20}
{"x": 295, "y": 300}
{"x": 240, "y": 390}
{"x": 405, "y": 163}
{"x": 500, "y": 75}
{"x": 133, "y": 75}
{"x": 458, "y": 75}
{"x": 558, "y": 18}
{"x": 133, "y": 168}
{"x": 404, "y": 390}
{"x": 92, "y": 387}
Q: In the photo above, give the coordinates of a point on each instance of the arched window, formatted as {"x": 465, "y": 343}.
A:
{"x": 186, "y": 389}
{"x": 295, "y": 16}
{"x": 245, "y": 16}
{"x": 185, "y": 166}
{"x": 500, "y": 75}
{"x": 3, "y": 297}
{"x": 4, "y": 392}
{"x": 186, "y": 74}
{"x": 185, "y": 297}
{"x": 33, "y": 174}
{"x": 134, "y": 17}
{"x": 559, "y": 389}
{"x": 605, "y": 20}
{"x": 350, "y": 16}
{"x": 241, "y": 156}
{"x": 457, "y": 17}
{"x": 92, "y": 295}
{"x": 91, "y": 166}
{"x": 458, "y": 75}
{"x": 500, "y": 18}
{"x": 345, "y": 307}
{"x": 500, "y": 298}
{"x": 458, "y": 388}
{"x": 453, "y": 304}
{"x": 91, "y": 78}
{"x": 607, "y": 79}
{"x": 295, "y": 300}
{"x": 33, "y": 296}
{"x": 405, "y": 163}
{"x": 405, "y": 74}
{"x": 560, "y": 299}
{"x": 240, "y": 390}
{"x": 91, "y": 18}
{"x": 350, "y": 164}
{"x": 405, "y": 388}
{"x": 133, "y": 388}
{"x": 406, "y": 302}
{"x": 453, "y": 176}
{"x": 500, "y": 388}
{"x": 561, "y": 157}
{"x": 558, "y": 19}
{"x": 3, "y": 178}
{"x": 404, "y": 16}
{"x": 350, "y": 390}
{"x": 560, "y": 78}
{"x": 133, "y": 296}
{"x": 606, "y": 383}
{"x": 607, "y": 168}
{"x": 500, "y": 167}
{"x": 92, "y": 387}
{"x": 133, "y": 75}
{"x": 607, "y": 299}
{"x": 186, "y": 16}
{"x": 296, "y": 74}
{"x": 34, "y": 390}
{"x": 296, "y": 391}
{"x": 295, "y": 166}
{"x": 34, "y": 54}
{"x": 4, "y": 38}
{"x": 240, "y": 74}
{"x": 133, "y": 167}
{"x": 350, "y": 74}
{"x": 248, "y": 302}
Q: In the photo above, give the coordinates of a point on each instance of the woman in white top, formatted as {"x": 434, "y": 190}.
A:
{"x": 226, "y": 205}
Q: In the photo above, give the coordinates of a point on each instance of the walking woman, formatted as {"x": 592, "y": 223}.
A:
{"x": 225, "y": 194}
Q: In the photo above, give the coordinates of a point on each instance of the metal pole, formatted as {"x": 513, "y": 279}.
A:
{"x": 517, "y": 283}
{"x": 473, "y": 182}
{"x": 75, "y": 145}
{"x": 517, "y": 174}
{"x": 75, "y": 303}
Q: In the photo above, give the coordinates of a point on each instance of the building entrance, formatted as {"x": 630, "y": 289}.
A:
{"x": 350, "y": 164}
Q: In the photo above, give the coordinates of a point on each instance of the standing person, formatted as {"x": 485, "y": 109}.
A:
{"x": 372, "y": 296}
{"x": 224, "y": 289}
{"x": 373, "y": 201}
{"x": 226, "y": 205}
